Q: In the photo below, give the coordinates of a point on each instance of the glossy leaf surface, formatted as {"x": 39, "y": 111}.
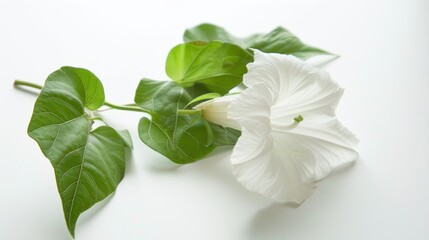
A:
{"x": 216, "y": 66}
{"x": 181, "y": 137}
{"x": 88, "y": 164}
{"x": 280, "y": 40}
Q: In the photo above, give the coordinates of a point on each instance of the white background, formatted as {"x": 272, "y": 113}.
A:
{"x": 384, "y": 66}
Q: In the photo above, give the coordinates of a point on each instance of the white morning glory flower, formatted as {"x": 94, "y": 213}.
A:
{"x": 291, "y": 137}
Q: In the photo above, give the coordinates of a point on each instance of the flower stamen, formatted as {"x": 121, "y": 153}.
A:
{"x": 299, "y": 118}
{"x": 293, "y": 125}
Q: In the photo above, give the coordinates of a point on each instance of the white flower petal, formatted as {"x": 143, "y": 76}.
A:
{"x": 252, "y": 108}
{"x": 276, "y": 155}
{"x": 271, "y": 169}
{"x": 327, "y": 129}
{"x": 283, "y": 74}
{"x": 254, "y": 144}
{"x": 288, "y": 150}
{"x": 332, "y": 144}
{"x": 328, "y": 156}
{"x": 262, "y": 71}
{"x": 321, "y": 97}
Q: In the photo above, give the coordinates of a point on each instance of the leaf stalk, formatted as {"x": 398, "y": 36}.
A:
{"x": 128, "y": 107}
{"x": 18, "y": 83}
{"x": 124, "y": 107}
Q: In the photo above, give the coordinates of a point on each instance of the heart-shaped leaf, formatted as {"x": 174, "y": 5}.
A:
{"x": 181, "y": 136}
{"x": 279, "y": 40}
{"x": 88, "y": 164}
{"x": 216, "y": 66}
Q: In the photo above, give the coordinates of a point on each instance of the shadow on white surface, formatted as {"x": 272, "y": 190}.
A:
{"x": 28, "y": 91}
{"x": 322, "y": 61}
{"x": 162, "y": 164}
{"x": 130, "y": 163}
{"x": 280, "y": 219}
{"x": 92, "y": 213}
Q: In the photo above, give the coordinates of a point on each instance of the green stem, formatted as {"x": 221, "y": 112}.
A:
{"x": 188, "y": 111}
{"x": 28, "y": 84}
{"x": 131, "y": 104}
{"x": 125, "y": 108}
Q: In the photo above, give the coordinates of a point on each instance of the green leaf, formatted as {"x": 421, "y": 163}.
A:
{"x": 279, "y": 40}
{"x": 203, "y": 97}
{"x": 208, "y": 32}
{"x": 282, "y": 41}
{"x": 224, "y": 136}
{"x": 88, "y": 164}
{"x": 216, "y": 66}
{"x": 126, "y": 138}
{"x": 183, "y": 138}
